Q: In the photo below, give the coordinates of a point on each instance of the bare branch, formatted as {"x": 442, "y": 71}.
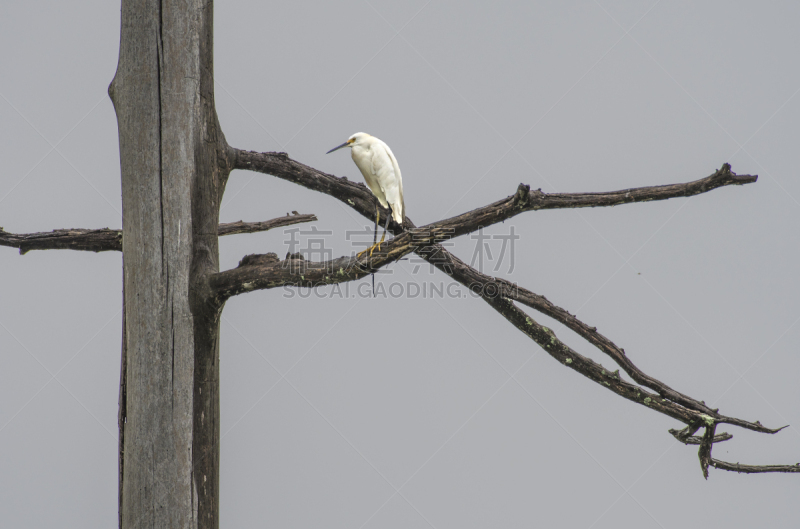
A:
{"x": 492, "y": 287}
{"x": 570, "y": 358}
{"x": 233, "y": 228}
{"x": 721, "y": 177}
{"x": 105, "y": 239}
{"x": 101, "y": 240}
{"x": 494, "y": 290}
{"x": 359, "y": 197}
{"x": 259, "y": 272}
{"x": 752, "y": 469}
{"x": 469, "y": 276}
{"x": 500, "y": 294}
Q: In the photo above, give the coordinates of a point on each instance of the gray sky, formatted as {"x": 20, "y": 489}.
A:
{"x": 331, "y": 405}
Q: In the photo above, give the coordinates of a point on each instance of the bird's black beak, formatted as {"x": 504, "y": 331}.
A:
{"x": 345, "y": 144}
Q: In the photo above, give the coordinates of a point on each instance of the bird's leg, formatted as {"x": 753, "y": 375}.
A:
{"x": 385, "y": 227}
{"x": 383, "y": 237}
{"x": 375, "y": 238}
{"x": 377, "y": 223}
{"x": 375, "y": 234}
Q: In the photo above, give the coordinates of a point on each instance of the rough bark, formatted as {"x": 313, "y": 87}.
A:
{"x": 174, "y": 167}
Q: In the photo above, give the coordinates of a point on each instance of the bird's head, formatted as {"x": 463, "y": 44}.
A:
{"x": 356, "y": 139}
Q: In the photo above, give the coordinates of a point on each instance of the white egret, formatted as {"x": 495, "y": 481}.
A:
{"x": 377, "y": 163}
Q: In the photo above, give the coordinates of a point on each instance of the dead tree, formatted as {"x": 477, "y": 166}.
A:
{"x": 175, "y": 163}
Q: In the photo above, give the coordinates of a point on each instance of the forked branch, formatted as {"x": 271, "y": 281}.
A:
{"x": 501, "y": 294}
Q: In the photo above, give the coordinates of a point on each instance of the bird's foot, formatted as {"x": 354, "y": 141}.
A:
{"x": 378, "y": 245}
{"x": 371, "y": 249}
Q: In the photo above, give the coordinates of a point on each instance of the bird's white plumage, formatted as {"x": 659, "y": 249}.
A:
{"x": 377, "y": 163}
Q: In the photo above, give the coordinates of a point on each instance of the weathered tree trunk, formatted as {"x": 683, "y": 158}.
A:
{"x": 174, "y": 168}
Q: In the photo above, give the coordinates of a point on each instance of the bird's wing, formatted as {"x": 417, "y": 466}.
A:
{"x": 387, "y": 173}
{"x": 363, "y": 160}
